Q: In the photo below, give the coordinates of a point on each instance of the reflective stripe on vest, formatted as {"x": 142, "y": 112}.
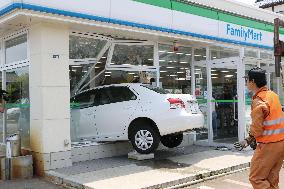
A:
{"x": 273, "y": 122}
{"x": 273, "y": 132}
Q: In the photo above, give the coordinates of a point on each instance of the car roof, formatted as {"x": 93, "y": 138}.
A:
{"x": 111, "y": 85}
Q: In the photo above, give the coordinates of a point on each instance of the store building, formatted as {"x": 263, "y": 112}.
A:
{"x": 50, "y": 51}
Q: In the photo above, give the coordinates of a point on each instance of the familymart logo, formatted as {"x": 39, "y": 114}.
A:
{"x": 244, "y": 33}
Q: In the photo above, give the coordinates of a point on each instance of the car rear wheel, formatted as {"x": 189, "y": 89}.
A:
{"x": 144, "y": 138}
{"x": 172, "y": 140}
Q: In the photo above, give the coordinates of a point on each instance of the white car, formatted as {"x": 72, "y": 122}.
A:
{"x": 135, "y": 112}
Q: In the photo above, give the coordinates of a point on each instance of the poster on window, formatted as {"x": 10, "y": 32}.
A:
{"x": 187, "y": 75}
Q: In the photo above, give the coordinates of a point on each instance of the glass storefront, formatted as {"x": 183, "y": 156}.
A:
{"x": 132, "y": 55}
{"x": 175, "y": 69}
{"x": 17, "y": 86}
{"x": 219, "y": 53}
{"x": 16, "y": 49}
{"x": 83, "y": 47}
{"x": 126, "y": 62}
{"x": 201, "y": 95}
{"x": 18, "y": 106}
{"x": 224, "y": 104}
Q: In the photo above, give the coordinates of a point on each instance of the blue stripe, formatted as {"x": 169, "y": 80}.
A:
{"x": 125, "y": 23}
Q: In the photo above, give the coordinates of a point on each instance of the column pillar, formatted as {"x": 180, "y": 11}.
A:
{"x": 49, "y": 96}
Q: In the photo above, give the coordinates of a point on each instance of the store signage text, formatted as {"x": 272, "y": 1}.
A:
{"x": 244, "y": 33}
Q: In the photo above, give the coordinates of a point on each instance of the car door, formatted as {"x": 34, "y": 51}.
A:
{"x": 82, "y": 116}
{"x": 112, "y": 118}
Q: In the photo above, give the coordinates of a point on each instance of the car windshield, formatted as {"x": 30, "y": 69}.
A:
{"x": 156, "y": 89}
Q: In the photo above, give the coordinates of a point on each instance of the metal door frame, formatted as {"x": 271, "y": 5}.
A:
{"x": 238, "y": 64}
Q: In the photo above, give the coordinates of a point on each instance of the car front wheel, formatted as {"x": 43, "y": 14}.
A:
{"x": 144, "y": 138}
{"x": 172, "y": 140}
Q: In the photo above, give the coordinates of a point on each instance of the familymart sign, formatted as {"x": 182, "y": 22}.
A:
{"x": 244, "y": 33}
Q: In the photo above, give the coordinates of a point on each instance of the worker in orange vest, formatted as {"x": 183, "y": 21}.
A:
{"x": 267, "y": 129}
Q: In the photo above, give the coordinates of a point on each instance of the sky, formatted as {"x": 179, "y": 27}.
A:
{"x": 250, "y": 2}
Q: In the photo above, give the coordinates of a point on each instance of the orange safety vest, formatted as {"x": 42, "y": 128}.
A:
{"x": 273, "y": 124}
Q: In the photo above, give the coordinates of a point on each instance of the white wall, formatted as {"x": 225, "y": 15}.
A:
{"x": 5, "y": 3}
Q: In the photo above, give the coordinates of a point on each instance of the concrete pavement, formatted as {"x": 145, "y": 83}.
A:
{"x": 232, "y": 181}
{"x": 35, "y": 183}
{"x": 169, "y": 168}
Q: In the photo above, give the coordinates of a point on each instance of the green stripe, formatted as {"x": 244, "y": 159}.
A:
{"x": 191, "y": 9}
{"x": 220, "y": 101}
{"x": 74, "y": 105}
{"x": 211, "y": 13}
{"x": 16, "y": 105}
{"x": 160, "y": 3}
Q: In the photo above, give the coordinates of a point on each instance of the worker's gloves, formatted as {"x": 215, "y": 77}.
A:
{"x": 241, "y": 145}
{"x": 249, "y": 141}
{"x": 253, "y": 143}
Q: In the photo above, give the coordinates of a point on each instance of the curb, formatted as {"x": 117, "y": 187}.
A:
{"x": 205, "y": 179}
{"x": 201, "y": 177}
{"x": 60, "y": 179}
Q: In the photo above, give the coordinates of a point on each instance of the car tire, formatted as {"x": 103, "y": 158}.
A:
{"x": 172, "y": 140}
{"x": 140, "y": 143}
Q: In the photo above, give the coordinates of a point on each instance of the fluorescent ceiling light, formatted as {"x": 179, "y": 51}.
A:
{"x": 150, "y": 59}
{"x": 229, "y": 75}
{"x": 172, "y": 75}
{"x": 183, "y": 62}
{"x": 214, "y": 74}
{"x": 197, "y": 55}
{"x": 188, "y": 54}
{"x": 107, "y": 72}
{"x": 131, "y": 73}
{"x": 170, "y": 67}
{"x": 170, "y": 52}
{"x": 180, "y": 79}
{"x": 103, "y": 57}
{"x": 162, "y": 60}
{"x": 201, "y": 78}
{"x": 163, "y": 71}
{"x": 214, "y": 57}
{"x": 213, "y": 70}
{"x": 180, "y": 72}
{"x": 112, "y": 63}
{"x": 179, "y": 53}
{"x": 197, "y": 69}
{"x": 107, "y": 75}
{"x": 162, "y": 51}
{"x": 186, "y": 68}
{"x": 99, "y": 62}
{"x": 225, "y": 71}
{"x": 214, "y": 77}
{"x": 97, "y": 67}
